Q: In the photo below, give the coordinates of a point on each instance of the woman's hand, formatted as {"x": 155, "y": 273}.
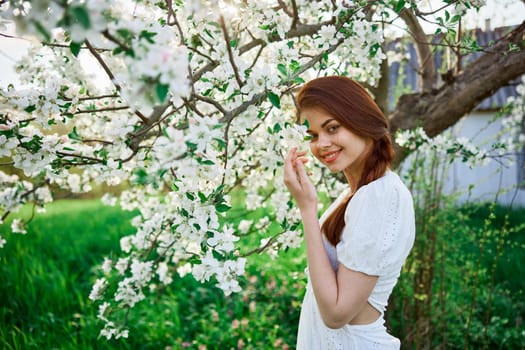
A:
{"x": 297, "y": 181}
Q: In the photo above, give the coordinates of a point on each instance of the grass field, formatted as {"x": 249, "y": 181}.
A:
{"x": 47, "y": 274}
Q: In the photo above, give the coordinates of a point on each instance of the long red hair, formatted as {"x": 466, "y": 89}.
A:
{"x": 351, "y": 105}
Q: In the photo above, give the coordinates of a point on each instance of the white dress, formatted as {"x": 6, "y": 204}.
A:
{"x": 378, "y": 235}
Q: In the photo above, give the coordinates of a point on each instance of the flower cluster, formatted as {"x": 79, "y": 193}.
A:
{"x": 513, "y": 122}
{"x": 181, "y": 104}
{"x": 448, "y": 148}
{"x": 14, "y": 193}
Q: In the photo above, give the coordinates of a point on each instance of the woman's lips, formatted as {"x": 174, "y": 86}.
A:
{"x": 330, "y": 156}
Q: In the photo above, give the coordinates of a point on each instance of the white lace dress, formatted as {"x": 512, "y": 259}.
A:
{"x": 378, "y": 235}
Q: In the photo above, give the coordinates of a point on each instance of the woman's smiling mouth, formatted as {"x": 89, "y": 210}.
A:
{"x": 331, "y": 156}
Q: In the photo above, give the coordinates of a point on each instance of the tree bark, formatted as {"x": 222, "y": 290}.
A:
{"x": 427, "y": 71}
{"x": 441, "y": 108}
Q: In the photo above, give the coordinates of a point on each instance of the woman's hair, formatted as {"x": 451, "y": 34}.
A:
{"x": 352, "y": 106}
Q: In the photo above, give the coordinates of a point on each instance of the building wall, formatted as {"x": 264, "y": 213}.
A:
{"x": 493, "y": 179}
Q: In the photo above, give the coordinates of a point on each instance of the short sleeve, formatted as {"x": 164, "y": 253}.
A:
{"x": 378, "y": 232}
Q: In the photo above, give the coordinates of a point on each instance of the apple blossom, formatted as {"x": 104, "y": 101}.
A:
{"x": 181, "y": 103}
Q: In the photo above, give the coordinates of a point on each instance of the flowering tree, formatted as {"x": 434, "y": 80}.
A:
{"x": 193, "y": 99}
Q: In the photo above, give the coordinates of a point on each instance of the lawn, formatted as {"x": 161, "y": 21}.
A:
{"x": 47, "y": 274}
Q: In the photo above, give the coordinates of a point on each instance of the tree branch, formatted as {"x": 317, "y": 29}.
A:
{"x": 230, "y": 52}
{"x": 262, "y": 95}
{"x": 107, "y": 109}
{"x": 437, "y": 110}
{"x": 110, "y": 75}
{"x": 114, "y": 40}
{"x": 426, "y": 69}
{"x": 299, "y": 31}
{"x": 295, "y": 21}
{"x": 89, "y": 98}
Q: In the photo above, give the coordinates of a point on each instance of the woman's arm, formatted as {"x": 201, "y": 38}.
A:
{"x": 340, "y": 296}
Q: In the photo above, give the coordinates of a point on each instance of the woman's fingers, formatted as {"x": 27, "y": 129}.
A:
{"x": 296, "y": 179}
{"x": 289, "y": 167}
{"x": 297, "y": 155}
{"x": 301, "y": 171}
{"x": 291, "y": 176}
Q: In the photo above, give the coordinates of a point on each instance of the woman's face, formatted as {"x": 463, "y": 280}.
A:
{"x": 334, "y": 145}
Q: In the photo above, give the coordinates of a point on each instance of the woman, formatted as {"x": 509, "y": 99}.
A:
{"x": 356, "y": 250}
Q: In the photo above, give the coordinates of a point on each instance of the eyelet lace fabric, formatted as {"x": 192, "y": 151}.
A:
{"x": 377, "y": 237}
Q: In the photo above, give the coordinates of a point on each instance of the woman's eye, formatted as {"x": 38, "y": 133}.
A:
{"x": 333, "y": 128}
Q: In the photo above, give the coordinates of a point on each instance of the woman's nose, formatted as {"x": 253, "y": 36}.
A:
{"x": 324, "y": 141}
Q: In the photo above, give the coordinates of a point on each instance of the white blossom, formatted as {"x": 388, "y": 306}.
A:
{"x": 107, "y": 265}
{"x": 245, "y": 225}
{"x": 175, "y": 118}
{"x": 18, "y": 226}
{"x": 223, "y": 241}
{"x": 98, "y": 289}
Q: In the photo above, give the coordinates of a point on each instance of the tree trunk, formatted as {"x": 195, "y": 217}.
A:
{"x": 441, "y": 108}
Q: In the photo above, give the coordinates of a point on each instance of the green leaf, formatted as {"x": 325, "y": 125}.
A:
{"x": 274, "y": 99}
{"x": 126, "y": 34}
{"x": 184, "y": 212}
{"x": 399, "y": 6}
{"x": 103, "y": 153}
{"x": 42, "y": 30}
{"x": 161, "y": 90}
{"x": 141, "y": 176}
{"x": 30, "y": 109}
{"x": 295, "y": 66}
{"x": 190, "y": 196}
{"x": 374, "y": 49}
{"x": 222, "y": 143}
{"x": 130, "y": 53}
{"x": 75, "y": 48}
{"x": 148, "y": 36}
{"x": 221, "y": 207}
{"x": 282, "y": 68}
{"x": 33, "y": 145}
{"x": 207, "y": 31}
{"x": 202, "y": 197}
{"x": 73, "y": 135}
{"x": 191, "y": 146}
{"x": 205, "y": 162}
{"x": 306, "y": 124}
{"x": 81, "y": 14}
{"x": 217, "y": 194}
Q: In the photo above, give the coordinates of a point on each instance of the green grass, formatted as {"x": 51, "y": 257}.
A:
{"x": 47, "y": 274}
{"x": 46, "y": 277}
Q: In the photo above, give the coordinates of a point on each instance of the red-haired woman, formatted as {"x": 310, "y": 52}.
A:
{"x": 357, "y": 248}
